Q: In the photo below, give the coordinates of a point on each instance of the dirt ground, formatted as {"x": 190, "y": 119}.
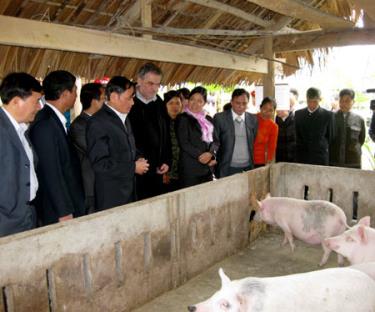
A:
{"x": 264, "y": 257}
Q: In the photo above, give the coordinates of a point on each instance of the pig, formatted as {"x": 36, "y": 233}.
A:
{"x": 357, "y": 244}
{"x": 328, "y": 290}
{"x": 309, "y": 221}
{"x": 366, "y": 267}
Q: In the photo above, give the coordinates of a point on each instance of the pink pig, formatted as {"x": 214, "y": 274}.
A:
{"x": 356, "y": 244}
{"x": 309, "y": 221}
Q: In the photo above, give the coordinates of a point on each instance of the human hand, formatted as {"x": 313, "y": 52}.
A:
{"x": 205, "y": 158}
{"x": 162, "y": 169}
{"x": 141, "y": 166}
{"x": 66, "y": 218}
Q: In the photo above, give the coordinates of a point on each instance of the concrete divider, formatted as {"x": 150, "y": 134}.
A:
{"x": 120, "y": 258}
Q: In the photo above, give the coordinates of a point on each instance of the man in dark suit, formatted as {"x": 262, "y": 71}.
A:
{"x": 350, "y": 134}
{"x": 314, "y": 131}
{"x": 150, "y": 131}
{"x": 60, "y": 196}
{"x": 20, "y": 95}
{"x": 235, "y": 132}
{"x": 111, "y": 147}
{"x": 92, "y": 98}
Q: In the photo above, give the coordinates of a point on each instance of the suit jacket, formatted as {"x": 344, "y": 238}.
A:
{"x": 350, "y": 134}
{"x": 15, "y": 213}
{"x": 224, "y": 137}
{"x": 59, "y": 173}
{"x": 77, "y": 133}
{"x": 286, "y": 139}
{"x": 112, "y": 152}
{"x": 314, "y": 133}
{"x": 189, "y": 136}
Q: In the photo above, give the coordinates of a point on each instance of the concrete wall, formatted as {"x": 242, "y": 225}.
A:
{"x": 118, "y": 259}
{"x": 339, "y": 184}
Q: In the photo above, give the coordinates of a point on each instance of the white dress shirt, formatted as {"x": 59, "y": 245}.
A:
{"x": 122, "y": 116}
{"x": 139, "y": 96}
{"x": 59, "y": 115}
{"x": 21, "y": 129}
{"x": 238, "y": 117}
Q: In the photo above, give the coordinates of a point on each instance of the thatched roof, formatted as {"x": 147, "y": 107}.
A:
{"x": 235, "y": 27}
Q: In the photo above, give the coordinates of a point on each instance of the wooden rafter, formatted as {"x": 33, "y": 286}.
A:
{"x": 146, "y": 15}
{"x": 34, "y": 34}
{"x": 213, "y": 4}
{"x": 368, "y": 6}
{"x": 358, "y": 36}
{"x": 301, "y": 10}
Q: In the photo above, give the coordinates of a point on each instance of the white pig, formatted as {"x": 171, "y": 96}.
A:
{"x": 309, "y": 221}
{"x": 356, "y": 244}
{"x": 329, "y": 290}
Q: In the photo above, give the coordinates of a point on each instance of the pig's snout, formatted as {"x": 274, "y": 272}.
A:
{"x": 330, "y": 244}
{"x": 192, "y": 308}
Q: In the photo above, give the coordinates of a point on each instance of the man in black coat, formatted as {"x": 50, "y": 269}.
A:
{"x": 234, "y": 133}
{"x": 111, "y": 147}
{"x": 92, "y": 98}
{"x": 20, "y": 95}
{"x": 286, "y": 138}
{"x": 150, "y": 131}
{"x": 350, "y": 134}
{"x": 314, "y": 131}
{"x": 60, "y": 196}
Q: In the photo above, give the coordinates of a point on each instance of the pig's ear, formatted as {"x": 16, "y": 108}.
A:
{"x": 258, "y": 205}
{"x": 362, "y": 234}
{"x": 224, "y": 279}
{"x": 365, "y": 221}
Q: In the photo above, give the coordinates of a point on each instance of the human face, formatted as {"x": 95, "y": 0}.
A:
{"x": 174, "y": 107}
{"x": 148, "y": 86}
{"x": 122, "y": 102}
{"x": 196, "y": 103}
{"x": 267, "y": 111}
{"x": 346, "y": 103}
{"x": 313, "y": 104}
{"x": 27, "y": 108}
{"x": 239, "y": 104}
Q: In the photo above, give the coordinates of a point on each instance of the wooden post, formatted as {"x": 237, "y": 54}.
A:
{"x": 269, "y": 78}
{"x": 146, "y": 15}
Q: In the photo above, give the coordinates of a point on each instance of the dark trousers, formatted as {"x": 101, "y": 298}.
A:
{"x": 187, "y": 181}
{"x": 235, "y": 170}
{"x": 149, "y": 185}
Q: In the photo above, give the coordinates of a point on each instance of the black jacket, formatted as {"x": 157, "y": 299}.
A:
{"x": 60, "y": 190}
{"x": 314, "y": 133}
{"x": 77, "y": 133}
{"x": 112, "y": 153}
{"x": 350, "y": 134}
{"x": 286, "y": 139}
{"x": 189, "y": 135}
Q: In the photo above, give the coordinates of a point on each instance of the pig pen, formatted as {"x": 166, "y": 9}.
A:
{"x": 120, "y": 259}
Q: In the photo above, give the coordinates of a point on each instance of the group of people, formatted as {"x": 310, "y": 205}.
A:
{"x": 128, "y": 144}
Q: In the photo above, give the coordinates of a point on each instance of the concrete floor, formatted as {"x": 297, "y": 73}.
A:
{"x": 264, "y": 257}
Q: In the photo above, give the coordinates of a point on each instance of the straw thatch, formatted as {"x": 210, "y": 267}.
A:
{"x": 168, "y": 18}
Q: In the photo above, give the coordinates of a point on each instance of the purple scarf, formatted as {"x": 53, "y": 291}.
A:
{"x": 206, "y": 126}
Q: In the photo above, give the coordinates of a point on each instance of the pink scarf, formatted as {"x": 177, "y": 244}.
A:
{"x": 206, "y": 126}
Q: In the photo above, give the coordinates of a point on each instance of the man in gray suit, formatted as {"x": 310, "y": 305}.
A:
{"x": 235, "y": 132}
{"x": 20, "y": 95}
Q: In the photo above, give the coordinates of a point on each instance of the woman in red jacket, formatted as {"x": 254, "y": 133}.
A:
{"x": 266, "y": 139}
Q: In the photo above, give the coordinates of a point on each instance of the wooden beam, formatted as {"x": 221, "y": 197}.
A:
{"x": 234, "y": 11}
{"x": 318, "y": 40}
{"x": 269, "y": 78}
{"x": 34, "y": 34}
{"x": 216, "y": 32}
{"x": 368, "y": 6}
{"x": 146, "y": 15}
{"x": 301, "y": 10}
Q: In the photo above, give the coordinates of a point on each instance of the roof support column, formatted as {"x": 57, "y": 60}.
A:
{"x": 269, "y": 78}
{"x": 146, "y": 15}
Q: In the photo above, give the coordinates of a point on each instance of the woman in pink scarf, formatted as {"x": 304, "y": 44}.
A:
{"x": 194, "y": 134}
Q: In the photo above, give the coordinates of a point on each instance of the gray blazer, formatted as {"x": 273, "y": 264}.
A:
{"x": 224, "y": 136}
{"x": 16, "y": 215}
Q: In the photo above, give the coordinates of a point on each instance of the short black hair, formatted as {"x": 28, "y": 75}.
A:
{"x": 349, "y": 92}
{"x": 149, "y": 68}
{"x": 313, "y": 93}
{"x": 267, "y": 100}
{"x": 239, "y": 92}
{"x": 89, "y": 92}
{"x": 201, "y": 90}
{"x": 118, "y": 84}
{"x": 18, "y": 84}
{"x": 184, "y": 92}
{"x": 56, "y": 82}
{"x": 295, "y": 92}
